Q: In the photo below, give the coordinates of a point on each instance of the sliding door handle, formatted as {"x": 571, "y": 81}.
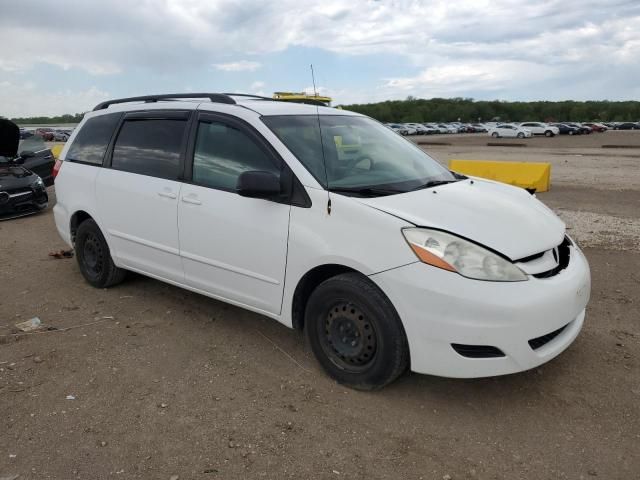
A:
{"x": 168, "y": 195}
{"x": 191, "y": 200}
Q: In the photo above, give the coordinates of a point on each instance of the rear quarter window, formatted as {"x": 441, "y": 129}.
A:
{"x": 92, "y": 140}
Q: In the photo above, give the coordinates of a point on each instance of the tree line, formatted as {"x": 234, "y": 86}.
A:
{"x": 66, "y": 118}
{"x": 469, "y": 110}
{"x": 461, "y": 109}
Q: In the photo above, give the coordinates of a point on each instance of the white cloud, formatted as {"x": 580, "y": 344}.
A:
{"x": 492, "y": 47}
{"x": 29, "y": 99}
{"x": 240, "y": 66}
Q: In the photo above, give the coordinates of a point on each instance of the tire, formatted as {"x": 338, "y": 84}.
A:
{"x": 571, "y": 132}
{"x": 94, "y": 257}
{"x": 548, "y": 133}
{"x": 521, "y": 135}
{"x": 355, "y": 332}
{"x": 495, "y": 135}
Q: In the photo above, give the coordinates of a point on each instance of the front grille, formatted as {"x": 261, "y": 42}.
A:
{"x": 536, "y": 343}
{"x": 564, "y": 252}
{"x": 13, "y": 191}
{"x": 477, "y": 351}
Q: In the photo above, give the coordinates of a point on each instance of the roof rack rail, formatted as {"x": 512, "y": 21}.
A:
{"x": 249, "y": 95}
{"x": 214, "y": 97}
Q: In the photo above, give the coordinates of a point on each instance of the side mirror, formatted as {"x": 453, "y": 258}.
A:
{"x": 27, "y": 154}
{"x": 258, "y": 184}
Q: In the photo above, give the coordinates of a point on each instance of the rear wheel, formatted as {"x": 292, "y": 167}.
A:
{"x": 94, "y": 257}
{"x": 355, "y": 332}
{"x": 520, "y": 135}
{"x": 495, "y": 135}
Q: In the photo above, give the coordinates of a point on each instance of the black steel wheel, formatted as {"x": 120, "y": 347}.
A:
{"x": 94, "y": 257}
{"x": 349, "y": 339}
{"x": 355, "y": 332}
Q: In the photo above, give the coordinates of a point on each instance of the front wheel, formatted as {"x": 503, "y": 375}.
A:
{"x": 521, "y": 135}
{"x": 548, "y": 133}
{"x": 94, "y": 257}
{"x": 355, "y": 332}
{"x": 495, "y": 135}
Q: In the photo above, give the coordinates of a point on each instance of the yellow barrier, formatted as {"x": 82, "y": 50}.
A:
{"x": 56, "y": 149}
{"x": 522, "y": 174}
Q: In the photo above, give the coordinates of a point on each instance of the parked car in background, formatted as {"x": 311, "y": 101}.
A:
{"x": 61, "y": 135}
{"x": 430, "y": 130}
{"x": 480, "y": 128}
{"x": 596, "y": 127}
{"x": 627, "y": 126}
{"x": 564, "y": 129}
{"x": 419, "y": 128}
{"x": 444, "y": 128}
{"x": 400, "y": 129}
{"x": 24, "y": 133}
{"x": 538, "y": 128}
{"x": 581, "y": 128}
{"x": 37, "y": 157}
{"x": 509, "y": 131}
{"x": 46, "y": 133}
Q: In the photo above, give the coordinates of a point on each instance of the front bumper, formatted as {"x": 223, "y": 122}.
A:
{"x": 440, "y": 308}
{"x": 22, "y": 202}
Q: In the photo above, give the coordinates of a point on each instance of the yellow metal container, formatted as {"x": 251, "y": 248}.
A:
{"x": 522, "y": 174}
{"x": 56, "y": 149}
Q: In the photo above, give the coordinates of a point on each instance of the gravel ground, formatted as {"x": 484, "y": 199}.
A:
{"x": 149, "y": 381}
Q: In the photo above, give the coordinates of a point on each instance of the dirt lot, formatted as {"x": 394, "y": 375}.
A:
{"x": 167, "y": 383}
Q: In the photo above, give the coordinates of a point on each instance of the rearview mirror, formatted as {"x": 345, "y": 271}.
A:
{"x": 258, "y": 184}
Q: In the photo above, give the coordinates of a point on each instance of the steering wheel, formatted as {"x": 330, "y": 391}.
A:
{"x": 353, "y": 162}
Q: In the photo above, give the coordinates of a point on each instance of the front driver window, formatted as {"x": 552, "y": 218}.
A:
{"x": 222, "y": 153}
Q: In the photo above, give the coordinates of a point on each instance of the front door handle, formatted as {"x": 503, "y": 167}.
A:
{"x": 191, "y": 200}
{"x": 168, "y": 195}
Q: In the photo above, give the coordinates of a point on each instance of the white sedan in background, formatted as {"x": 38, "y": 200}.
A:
{"x": 538, "y": 128}
{"x": 512, "y": 131}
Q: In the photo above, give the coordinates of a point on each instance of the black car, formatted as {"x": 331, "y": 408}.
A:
{"x": 581, "y": 128}
{"x": 22, "y": 191}
{"x": 566, "y": 129}
{"x": 627, "y": 126}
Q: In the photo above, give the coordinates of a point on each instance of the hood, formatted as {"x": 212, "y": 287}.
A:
{"x": 499, "y": 216}
{"x": 15, "y": 177}
{"x": 9, "y": 138}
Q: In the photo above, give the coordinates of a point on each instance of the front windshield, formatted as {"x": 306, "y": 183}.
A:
{"x": 34, "y": 143}
{"x": 356, "y": 153}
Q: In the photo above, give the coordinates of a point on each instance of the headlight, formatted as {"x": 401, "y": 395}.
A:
{"x": 444, "y": 250}
{"x": 39, "y": 182}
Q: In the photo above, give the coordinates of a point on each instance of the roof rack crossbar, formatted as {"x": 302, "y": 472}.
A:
{"x": 214, "y": 97}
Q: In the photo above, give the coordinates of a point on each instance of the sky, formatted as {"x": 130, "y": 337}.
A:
{"x": 65, "y": 56}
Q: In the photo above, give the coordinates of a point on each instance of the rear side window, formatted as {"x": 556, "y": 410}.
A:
{"x": 222, "y": 153}
{"x": 93, "y": 139}
{"x": 150, "y": 147}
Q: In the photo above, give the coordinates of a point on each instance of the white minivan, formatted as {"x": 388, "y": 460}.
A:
{"x": 328, "y": 222}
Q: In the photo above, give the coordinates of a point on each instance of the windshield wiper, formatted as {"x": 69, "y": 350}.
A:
{"x": 365, "y": 191}
{"x": 433, "y": 183}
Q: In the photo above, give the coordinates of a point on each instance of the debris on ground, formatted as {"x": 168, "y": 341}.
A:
{"x": 62, "y": 254}
{"x": 30, "y": 325}
{"x": 70, "y": 397}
